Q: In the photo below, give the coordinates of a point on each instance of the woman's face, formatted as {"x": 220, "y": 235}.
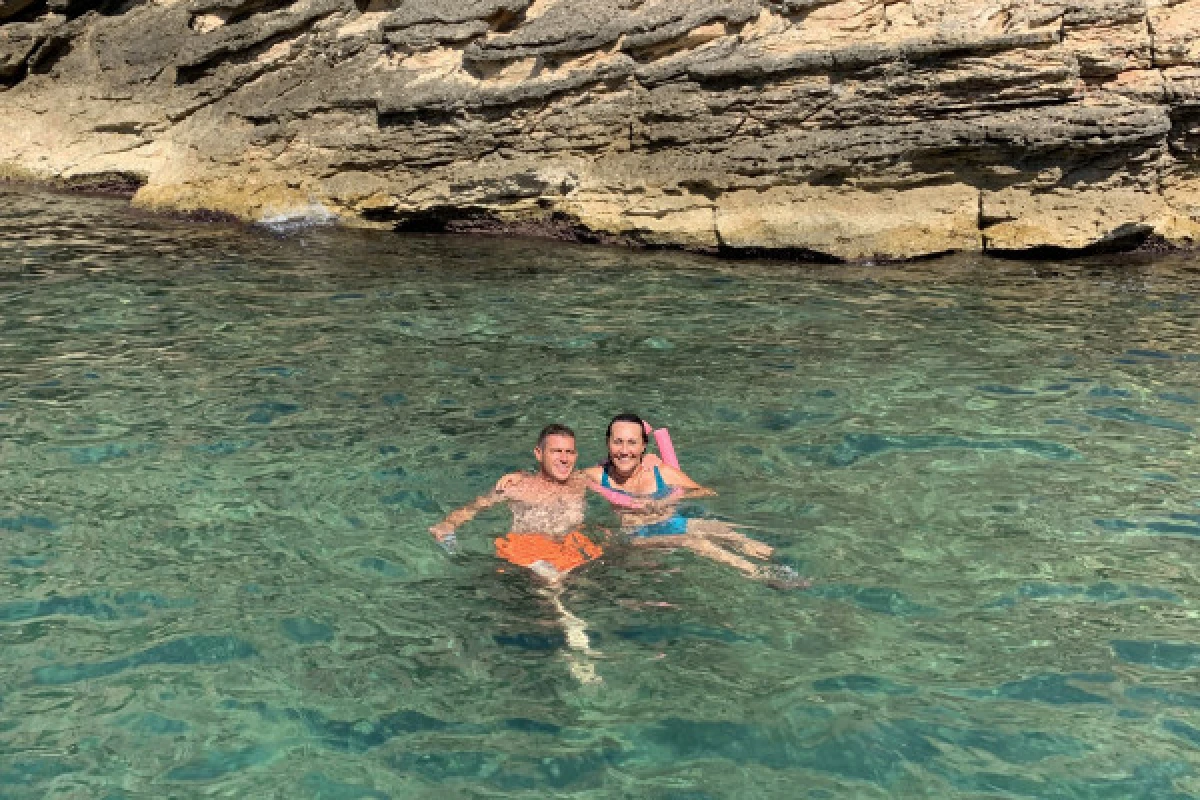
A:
{"x": 626, "y": 446}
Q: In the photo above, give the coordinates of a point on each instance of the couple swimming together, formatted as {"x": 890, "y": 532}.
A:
{"x": 548, "y": 509}
{"x": 548, "y": 512}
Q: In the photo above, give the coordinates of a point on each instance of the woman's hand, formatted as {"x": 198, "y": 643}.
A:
{"x": 682, "y": 493}
{"x": 662, "y": 506}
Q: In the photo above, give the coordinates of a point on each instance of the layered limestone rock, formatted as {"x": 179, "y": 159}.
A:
{"x": 837, "y": 129}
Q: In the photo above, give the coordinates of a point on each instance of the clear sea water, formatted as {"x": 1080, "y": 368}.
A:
{"x": 222, "y": 448}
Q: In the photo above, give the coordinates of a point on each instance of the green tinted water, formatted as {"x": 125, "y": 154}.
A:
{"x": 223, "y": 448}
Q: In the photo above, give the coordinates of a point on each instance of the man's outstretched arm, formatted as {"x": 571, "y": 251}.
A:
{"x": 444, "y": 530}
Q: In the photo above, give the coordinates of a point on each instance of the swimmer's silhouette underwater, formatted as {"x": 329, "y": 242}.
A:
{"x": 548, "y": 508}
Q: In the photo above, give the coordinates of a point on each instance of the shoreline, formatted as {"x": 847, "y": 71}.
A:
{"x": 473, "y": 222}
{"x": 741, "y": 129}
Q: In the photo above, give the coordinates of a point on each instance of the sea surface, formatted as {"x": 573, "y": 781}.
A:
{"x": 223, "y": 447}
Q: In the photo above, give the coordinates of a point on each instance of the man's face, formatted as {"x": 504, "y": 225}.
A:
{"x": 557, "y": 456}
{"x": 626, "y": 446}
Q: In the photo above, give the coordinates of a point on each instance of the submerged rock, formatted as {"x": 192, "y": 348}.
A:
{"x": 826, "y": 129}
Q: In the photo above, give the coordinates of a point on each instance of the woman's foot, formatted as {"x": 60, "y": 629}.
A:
{"x": 781, "y": 576}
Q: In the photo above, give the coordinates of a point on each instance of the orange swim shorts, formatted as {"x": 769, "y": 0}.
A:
{"x": 524, "y": 549}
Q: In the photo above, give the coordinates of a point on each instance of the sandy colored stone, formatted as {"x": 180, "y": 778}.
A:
{"x": 259, "y": 198}
{"x": 855, "y": 129}
{"x": 852, "y": 225}
{"x": 1023, "y": 220}
{"x": 653, "y": 219}
{"x": 1176, "y": 27}
{"x": 1182, "y": 196}
{"x": 10, "y": 171}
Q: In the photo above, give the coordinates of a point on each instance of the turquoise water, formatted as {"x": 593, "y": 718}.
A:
{"x": 223, "y": 448}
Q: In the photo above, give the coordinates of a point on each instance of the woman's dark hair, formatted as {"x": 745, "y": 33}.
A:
{"x": 634, "y": 418}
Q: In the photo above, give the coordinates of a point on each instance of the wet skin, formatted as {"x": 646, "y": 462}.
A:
{"x": 550, "y": 501}
{"x": 631, "y": 470}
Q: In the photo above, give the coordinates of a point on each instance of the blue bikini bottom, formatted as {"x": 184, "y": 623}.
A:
{"x": 668, "y": 527}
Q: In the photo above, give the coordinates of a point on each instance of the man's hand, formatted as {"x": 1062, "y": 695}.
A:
{"x": 443, "y": 532}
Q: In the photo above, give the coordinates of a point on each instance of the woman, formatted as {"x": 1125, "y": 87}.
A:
{"x": 651, "y": 518}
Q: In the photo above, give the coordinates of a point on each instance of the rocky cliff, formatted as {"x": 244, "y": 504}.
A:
{"x": 841, "y": 129}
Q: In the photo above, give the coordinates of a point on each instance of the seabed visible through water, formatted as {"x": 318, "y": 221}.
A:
{"x": 223, "y": 448}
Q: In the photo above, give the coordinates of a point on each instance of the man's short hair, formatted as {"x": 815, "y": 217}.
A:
{"x": 554, "y": 429}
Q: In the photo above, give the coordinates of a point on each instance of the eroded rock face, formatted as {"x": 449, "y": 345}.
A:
{"x": 844, "y": 129}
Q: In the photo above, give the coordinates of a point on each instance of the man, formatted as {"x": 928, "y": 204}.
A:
{"x": 547, "y": 509}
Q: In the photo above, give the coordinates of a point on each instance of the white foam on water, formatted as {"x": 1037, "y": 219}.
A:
{"x": 298, "y": 218}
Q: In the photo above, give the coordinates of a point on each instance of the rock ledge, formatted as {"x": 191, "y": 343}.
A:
{"x": 830, "y": 129}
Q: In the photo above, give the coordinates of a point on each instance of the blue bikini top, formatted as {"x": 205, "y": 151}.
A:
{"x": 661, "y": 489}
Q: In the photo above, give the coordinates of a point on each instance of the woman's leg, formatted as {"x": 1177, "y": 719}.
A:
{"x": 700, "y": 545}
{"x": 727, "y": 534}
{"x": 776, "y": 575}
{"x": 703, "y": 546}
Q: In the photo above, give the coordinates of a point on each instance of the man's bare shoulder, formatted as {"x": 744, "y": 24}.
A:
{"x": 512, "y": 482}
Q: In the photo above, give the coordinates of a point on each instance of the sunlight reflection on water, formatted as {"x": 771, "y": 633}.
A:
{"x": 224, "y": 448}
